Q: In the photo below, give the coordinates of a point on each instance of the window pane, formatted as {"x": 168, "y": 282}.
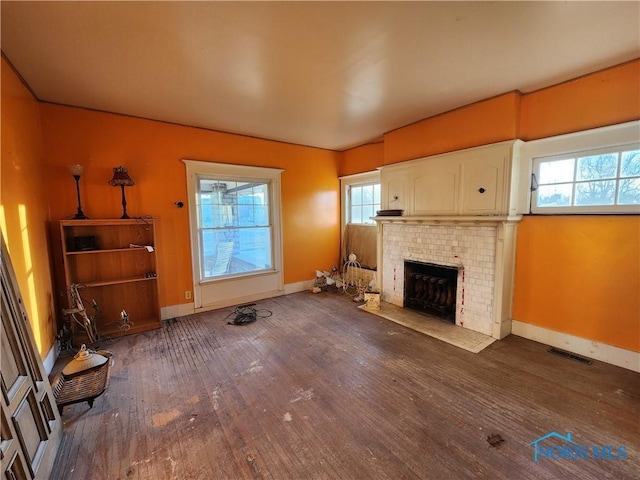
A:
{"x": 557, "y": 171}
{"x": 252, "y": 249}
{"x": 555, "y": 195}
{"x": 356, "y": 214}
{"x": 367, "y": 194}
{"x": 376, "y": 194}
{"x": 629, "y": 191}
{"x": 214, "y": 215}
{"x": 630, "y": 164}
{"x": 597, "y": 167}
{"x": 595, "y": 193}
{"x": 236, "y": 250}
{"x": 356, "y": 195}
{"x": 367, "y": 211}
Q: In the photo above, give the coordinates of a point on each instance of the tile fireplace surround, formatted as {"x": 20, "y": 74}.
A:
{"x": 483, "y": 250}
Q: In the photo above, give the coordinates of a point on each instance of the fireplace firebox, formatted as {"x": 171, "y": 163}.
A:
{"x": 431, "y": 289}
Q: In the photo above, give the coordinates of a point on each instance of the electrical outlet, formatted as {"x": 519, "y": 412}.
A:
{"x": 187, "y": 294}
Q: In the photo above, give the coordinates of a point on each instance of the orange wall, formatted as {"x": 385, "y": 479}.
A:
{"x": 24, "y": 212}
{"x": 580, "y": 275}
{"x": 603, "y": 98}
{"x": 489, "y": 121}
{"x": 592, "y": 261}
{"x": 152, "y": 151}
{"x": 365, "y": 158}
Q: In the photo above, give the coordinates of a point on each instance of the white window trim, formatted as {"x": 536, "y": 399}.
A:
{"x": 354, "y": 180}
{"x": 259, "y": 285}
{"x": 599, "y": 138}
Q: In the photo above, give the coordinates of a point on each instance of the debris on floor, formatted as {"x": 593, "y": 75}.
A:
{"x": 495, "y": 440}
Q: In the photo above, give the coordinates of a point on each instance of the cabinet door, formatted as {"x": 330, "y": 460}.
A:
{"x": 483, "y": 185}
{"x": 31, "y": 427}
{"x": 436, "y": 187}
{"x": 393, "y": 187}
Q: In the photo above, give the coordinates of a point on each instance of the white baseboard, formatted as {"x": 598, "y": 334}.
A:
{"x": 297, "y": 287}
{"x": 239, "y": 300}
{"x": 582, "y": 346}
{"x": 50, "y": 360}
{"x": 173, "y": 311}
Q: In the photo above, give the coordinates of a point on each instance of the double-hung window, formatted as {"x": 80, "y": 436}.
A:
{"x": 235, "y": 231}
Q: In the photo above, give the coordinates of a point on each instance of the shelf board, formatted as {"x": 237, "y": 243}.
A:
{"x": 146, "y": 324}
{"x": 119, "y": 281}
{"x": 108, "y": 222}
{"x": 111, "y": 331}
{"x": 106, "y": 250}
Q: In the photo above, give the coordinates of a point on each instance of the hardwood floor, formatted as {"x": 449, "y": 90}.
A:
{"x": 322, "y": 389}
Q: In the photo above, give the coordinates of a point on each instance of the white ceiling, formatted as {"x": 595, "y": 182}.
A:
{"x": 325, "y": 74}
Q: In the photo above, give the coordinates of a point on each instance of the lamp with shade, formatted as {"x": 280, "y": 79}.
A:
{"x": 76, "y": 172}
{"x": 122, "y": 179}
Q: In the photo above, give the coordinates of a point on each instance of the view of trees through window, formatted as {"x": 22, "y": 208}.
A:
{"x": 611, "y": 178}
{"x": 234, "y": 226}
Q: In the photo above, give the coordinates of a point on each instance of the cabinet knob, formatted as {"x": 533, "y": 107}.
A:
{"x": 481, "y": 190}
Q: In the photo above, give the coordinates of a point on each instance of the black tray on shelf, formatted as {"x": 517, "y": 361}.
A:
{"x": 389, "y": 213}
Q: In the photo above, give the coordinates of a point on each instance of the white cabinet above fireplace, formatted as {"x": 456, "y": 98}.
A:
{"x": 476, "y": 181}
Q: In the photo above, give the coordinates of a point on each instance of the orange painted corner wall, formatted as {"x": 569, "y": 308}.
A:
{"x": 153, "y": 152}
{"x": 580, "y": 275}
{"x": 602, "y": 98}
{"x": 24, "y": 212}
{"x": 365, "y": 158}
{"x": 488, "y": 121}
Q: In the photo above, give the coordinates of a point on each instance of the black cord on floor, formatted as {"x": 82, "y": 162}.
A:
{"x": 244, "y": 314}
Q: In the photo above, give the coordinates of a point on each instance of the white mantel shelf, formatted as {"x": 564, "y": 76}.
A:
{"x": 449, "y": 220}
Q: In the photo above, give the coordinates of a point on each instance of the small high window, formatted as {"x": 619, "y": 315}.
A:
{"x": 593, "y": 181}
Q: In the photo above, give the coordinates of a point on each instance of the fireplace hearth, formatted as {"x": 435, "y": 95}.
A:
{"x": 431, "y": 289}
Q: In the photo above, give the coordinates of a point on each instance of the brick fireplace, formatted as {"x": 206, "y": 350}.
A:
{"x": 481, "y": 249}
{"x": 459, "y": 210}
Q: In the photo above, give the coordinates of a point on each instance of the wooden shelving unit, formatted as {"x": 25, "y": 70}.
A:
{"x": 109, "y": 260}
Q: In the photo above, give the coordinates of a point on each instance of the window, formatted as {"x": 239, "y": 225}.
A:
{"x": 234, "y": 227}
{"x": 363, "y": 202}
{"x": 592, "y": 171}
{"x": 236, "y": 238}
{"x": 596, "y": 180}
{"x": 360, "y": 201}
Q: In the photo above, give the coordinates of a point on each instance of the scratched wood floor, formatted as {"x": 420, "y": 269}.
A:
{"x": 322, "y": 389}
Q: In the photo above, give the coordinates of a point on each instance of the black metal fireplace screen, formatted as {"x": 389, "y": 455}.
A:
{"x": 431, "y": 289}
